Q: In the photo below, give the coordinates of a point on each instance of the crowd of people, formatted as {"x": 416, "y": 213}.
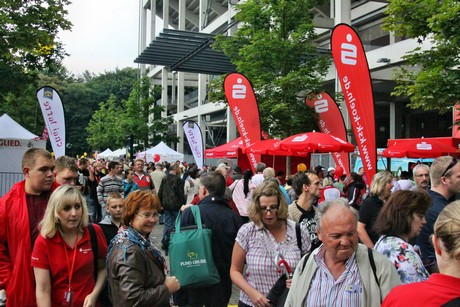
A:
{"x": 77, "y": 233}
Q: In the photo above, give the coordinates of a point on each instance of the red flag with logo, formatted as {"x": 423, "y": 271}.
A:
{"x": 353, "y": 71}
{"x": 245, "y": 110}
{"x": 330, "y": 121}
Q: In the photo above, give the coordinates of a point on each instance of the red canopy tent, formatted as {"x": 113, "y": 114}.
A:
{"x": 420, "y": 148}
{"x": 229, "y": 150}
{"x": 272, "y": 147}
{"x": 316, "y": 142}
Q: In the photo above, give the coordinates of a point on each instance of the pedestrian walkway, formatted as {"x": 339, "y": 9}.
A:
{"x": 156, "y": 236}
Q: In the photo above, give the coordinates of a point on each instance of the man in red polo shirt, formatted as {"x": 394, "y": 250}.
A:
{"x": 142, "y": 178}
{"x": 21, "y": 209}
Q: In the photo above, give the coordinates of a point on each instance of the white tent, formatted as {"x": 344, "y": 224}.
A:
{"x": 164, "y": 153}
{"x": 117, "y": 154}
{"x": 14, "y": 141}
{"x": 104, "y": 154}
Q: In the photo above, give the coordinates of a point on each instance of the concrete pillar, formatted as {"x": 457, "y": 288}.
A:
{"x": 153, "y": 19}
{"x": 392, "y": 120}
{"x": 165, "y": 14}
{"x": 201, "y": 101}
{"x": 341, "y": 10}
{"x": 164, "y": 91}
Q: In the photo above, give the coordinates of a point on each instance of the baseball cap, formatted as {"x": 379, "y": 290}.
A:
{"x": 330, "y": 169}
{"x": 223, "y": 165}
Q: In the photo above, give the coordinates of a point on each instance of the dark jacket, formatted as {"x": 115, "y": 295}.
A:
{"x": 171, "y": 193}
{"x": 224, "y": 223}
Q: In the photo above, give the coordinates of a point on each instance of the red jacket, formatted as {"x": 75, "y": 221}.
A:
{"x": 16, "y": 274}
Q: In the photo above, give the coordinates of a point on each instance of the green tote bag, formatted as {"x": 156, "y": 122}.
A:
{"x": 190, "y": 254}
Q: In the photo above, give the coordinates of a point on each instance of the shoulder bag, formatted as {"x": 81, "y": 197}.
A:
{"x": 190, "y": 254}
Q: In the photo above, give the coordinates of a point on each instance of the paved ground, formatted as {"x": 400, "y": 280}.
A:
{"x": 156, "y": 236}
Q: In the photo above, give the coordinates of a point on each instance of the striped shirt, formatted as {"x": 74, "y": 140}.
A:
{"x": 144, "y": 181}
{"x": 324, "y": 290}
{"x": 106, "y": 185}
{"x": 261, "y": 249}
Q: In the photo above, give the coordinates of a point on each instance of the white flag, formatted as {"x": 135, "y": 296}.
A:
{"x": 53, "y": 113}
{"x": 195, "y": 140}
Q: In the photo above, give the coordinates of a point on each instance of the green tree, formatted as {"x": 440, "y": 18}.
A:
{"x": 28, "y": 40}
{"x": 143, "y": 117}
{"x": 104, "y": 130}
{"x": 274, "y": 48}
{"x": 82, "y": 96}
{"x": 115, "y": 120}
{"x": 430, "y": 78}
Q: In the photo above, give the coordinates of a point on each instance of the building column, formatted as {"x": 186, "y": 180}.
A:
{"x": 143, "y": 33}
{"x": 341, "y": 10}
{"x": 201, "y": 101}
{"x": 180, "y": 83}
{"x": 164, "y": 91}
{"x": 392, "y": 120}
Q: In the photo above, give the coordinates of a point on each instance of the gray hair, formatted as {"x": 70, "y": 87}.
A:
{"x": 260, "y": 167}
{"x": 328, "y": 204}
{"x": 420, "y": 166}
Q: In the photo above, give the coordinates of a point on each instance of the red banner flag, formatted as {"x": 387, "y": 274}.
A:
{"x": 245, "y": 110}
{"x": 330, "y": 121}
{"x": 353, "y": 71}
{"x": 456, "y": 121}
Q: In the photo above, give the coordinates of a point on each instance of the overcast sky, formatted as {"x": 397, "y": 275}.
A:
{"x": 104, "y": 35}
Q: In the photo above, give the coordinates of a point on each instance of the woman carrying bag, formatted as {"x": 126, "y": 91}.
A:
{"x": 135, "y": 268}
{"x": 269, "y": 240}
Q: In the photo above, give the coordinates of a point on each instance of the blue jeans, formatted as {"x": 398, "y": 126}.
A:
{"x": 92, "y": 209}
{"x": 170, "y": 220}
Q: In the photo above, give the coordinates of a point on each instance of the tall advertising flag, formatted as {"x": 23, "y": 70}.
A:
{"x": 53, "y": 113}
{"x": 195, "y": 140}
{"x": 330, "y": 121}
{"x": 245, "y": 110}
{"x": 456, "y": 121}
{"x": 353, "y": 71}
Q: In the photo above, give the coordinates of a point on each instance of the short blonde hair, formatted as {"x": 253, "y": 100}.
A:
{"x": 59, "y": 198}
{"x": 438, "y": 167}
{"x": 379, "y": 181}
{"x": 267, "y": 188}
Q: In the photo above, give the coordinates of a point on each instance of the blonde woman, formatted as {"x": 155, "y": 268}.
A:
{"x": 380, "y": 191}
{"x": 439, "y": 289}
{"x": 260, "y": 244}
{"x": 62, "y": 258}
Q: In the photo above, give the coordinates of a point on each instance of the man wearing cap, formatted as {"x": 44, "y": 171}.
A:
{"x": 319, "y": 170}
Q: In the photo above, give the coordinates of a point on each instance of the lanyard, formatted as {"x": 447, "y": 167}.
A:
{"x": 70, "y": 266}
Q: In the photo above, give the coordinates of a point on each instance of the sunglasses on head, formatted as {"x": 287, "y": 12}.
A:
{"x": 451, "y": 164}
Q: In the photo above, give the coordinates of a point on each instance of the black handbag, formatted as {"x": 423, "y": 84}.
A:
{"x": 278, "y": 293}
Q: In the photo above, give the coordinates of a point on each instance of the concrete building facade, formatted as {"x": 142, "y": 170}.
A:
{"x": 174, "y": 45}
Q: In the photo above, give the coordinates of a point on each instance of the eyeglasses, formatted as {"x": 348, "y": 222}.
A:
{"x": 148, "y": 216}
{"x": 452, "y": 164}
{"x": 422, "y": 175}
{"x": 269, "y": 209}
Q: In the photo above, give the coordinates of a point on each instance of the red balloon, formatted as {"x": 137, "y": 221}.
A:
{"x": 156, "y": 158}
{"x": 338, "y": 172}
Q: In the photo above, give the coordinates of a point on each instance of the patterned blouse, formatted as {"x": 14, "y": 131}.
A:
{"x": 405, "y": 258}
{"x": 261, "y": 251}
